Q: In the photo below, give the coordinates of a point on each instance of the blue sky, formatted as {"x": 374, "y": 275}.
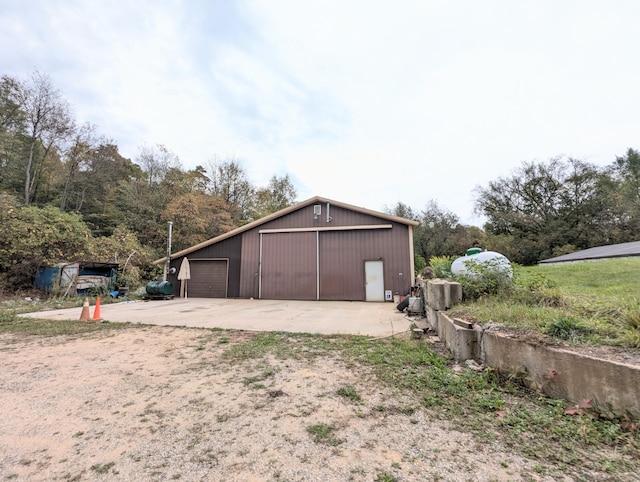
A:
{"x": 365, "y": 102}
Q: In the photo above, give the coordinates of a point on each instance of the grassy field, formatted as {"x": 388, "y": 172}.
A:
{"x": 595, "y": 302}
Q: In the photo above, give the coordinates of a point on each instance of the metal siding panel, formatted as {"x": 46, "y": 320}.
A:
{"x": 341, "y": 269}
{"x": 250, "y": 264}
{"x": 304, "y": 218}
{"x": 342, "y": 257}
{"x": 229, "y": 249}
{"x": 289, "y": 266}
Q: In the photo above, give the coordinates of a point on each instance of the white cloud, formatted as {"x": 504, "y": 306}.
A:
{"x": 366, "y": 102}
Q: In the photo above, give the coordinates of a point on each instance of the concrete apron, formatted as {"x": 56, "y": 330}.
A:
{"x": 322, "y": 317}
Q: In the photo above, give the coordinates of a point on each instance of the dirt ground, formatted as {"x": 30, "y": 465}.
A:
{"x": 162, "y": 403}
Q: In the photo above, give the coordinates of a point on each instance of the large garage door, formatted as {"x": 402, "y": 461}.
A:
{"x": 289, "y": 266}
{"x": 208, "y": 278}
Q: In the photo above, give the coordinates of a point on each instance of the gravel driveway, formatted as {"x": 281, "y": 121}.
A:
{"x": 166, "y": 403}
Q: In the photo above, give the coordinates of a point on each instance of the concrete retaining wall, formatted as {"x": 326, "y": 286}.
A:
{"x": 608, "y": 385}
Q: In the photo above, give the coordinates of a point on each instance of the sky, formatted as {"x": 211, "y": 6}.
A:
{"x": 366, "y": 102}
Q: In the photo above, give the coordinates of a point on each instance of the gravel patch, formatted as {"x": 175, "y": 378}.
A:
{"x": 162, "y": 403}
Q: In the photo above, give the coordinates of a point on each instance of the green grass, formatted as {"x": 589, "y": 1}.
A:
{"x": 595, "y": 302}
{"x": 102, "y": 468}
{"x": 31, "y": 326}
{"x": 323, "y": 433}
{"x": 349, "y": 392}
{"x": 10, "y": 322}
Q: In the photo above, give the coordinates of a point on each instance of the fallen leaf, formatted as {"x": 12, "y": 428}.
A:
{"x": 584, "y": 403}
{"x": 500, "y": 413}
{"x": 574, "y": 411}
{"x": 629, "y": 426}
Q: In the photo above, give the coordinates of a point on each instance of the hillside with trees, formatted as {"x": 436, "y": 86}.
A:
{"x": 67, "y": 194}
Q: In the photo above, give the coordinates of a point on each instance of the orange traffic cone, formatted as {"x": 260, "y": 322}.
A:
{"x": 96, "y": 311}
{"x": 85, "y": 315}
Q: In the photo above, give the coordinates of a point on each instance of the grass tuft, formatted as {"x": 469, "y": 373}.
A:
{"x": 323, "y": 433}
{"x": 349, "y": 392}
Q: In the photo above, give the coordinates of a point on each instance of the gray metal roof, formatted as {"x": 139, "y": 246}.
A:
{"x": 612, "y": 251}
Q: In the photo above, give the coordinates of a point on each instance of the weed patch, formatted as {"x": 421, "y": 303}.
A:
{"x": 324, "y": 434}
{"x": 566, "y": 329}
{"x": 385, "y": 477}
{"x": 349, "y": 392}
{"x": 102, "y": 468}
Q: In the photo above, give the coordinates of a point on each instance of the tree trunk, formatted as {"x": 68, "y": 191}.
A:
{"x": 27, "y": 181}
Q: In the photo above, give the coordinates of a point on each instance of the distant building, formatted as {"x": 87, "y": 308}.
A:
{"x": 601, "y": 252}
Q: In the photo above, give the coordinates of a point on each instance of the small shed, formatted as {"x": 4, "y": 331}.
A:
{"x": 318, "y": 249}
{"x": 77, "y": 278}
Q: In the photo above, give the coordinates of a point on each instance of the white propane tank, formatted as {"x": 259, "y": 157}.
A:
{"x": 497, "y": 261}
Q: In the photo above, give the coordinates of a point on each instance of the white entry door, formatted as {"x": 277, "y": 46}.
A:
{"x": 374, "y": 280}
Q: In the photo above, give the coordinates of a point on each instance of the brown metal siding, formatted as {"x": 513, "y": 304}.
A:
{"x": 342, "y": 258}
{"x": 304, "y": 218}
{"x": 341, "y": 268}
{"x": 230, "y": 249}
{"x": 289, "y": 266}
{"x": 250, "y": 269}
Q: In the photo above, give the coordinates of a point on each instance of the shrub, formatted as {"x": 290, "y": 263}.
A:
{"x": 484, "y": 278}
{"x": 534, "y": 288}
{"x": 441, "y": 266}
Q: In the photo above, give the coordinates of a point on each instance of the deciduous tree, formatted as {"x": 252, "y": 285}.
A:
{"x": 434, "y": 234}
{"x": 48, "y": 120}
{"x": 197, "y": 217}
{"x": 543, "y": 206}
{"x": 230, "y": 183}
{"x": 627, "y": 168}
{"x": 279, "y": 194}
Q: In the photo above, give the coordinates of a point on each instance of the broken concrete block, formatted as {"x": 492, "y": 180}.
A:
{"x": 436, "y": 298}
{"x": 463, "y": 323}
{"x": 454, "y": 293}
{"x": 432, "y": 318}
{"x": 462, "y": 342}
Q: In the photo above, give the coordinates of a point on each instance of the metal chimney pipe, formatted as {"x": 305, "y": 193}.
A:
{"x": 166, "y": 267}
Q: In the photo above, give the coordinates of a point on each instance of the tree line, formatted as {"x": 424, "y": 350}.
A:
{"x": 67, "y": 194}
{"x": 541, "y": 210}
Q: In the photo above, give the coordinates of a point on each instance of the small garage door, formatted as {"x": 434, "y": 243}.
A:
{"x": 208, "y": 278}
